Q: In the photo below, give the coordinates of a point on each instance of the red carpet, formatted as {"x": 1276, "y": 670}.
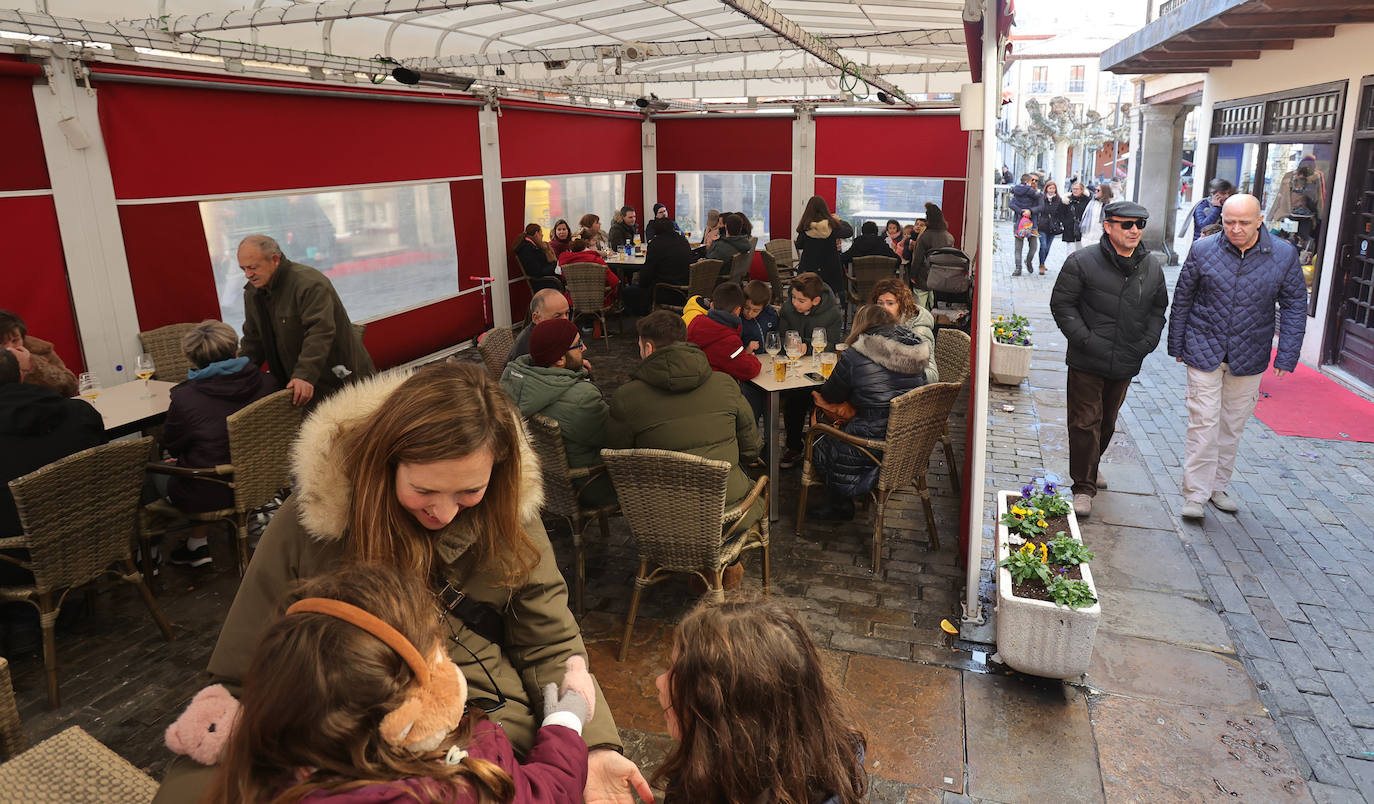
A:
{"x": 1306, "y": 403}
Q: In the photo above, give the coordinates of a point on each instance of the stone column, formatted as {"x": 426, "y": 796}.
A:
{"x": 1160, "y": 158}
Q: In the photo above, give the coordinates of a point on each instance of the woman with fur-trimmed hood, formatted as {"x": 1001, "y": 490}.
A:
{"x": 884, "y": 360}
{"x": 431, "y": 474}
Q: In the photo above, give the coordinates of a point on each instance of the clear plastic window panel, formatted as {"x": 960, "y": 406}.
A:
{"x": 570, "y": 197}
{"x": 860, "y": 199}
{"x": 698, "y": 193}
{"x": 386, "y": 249}
{"x": 1297, "y": 191}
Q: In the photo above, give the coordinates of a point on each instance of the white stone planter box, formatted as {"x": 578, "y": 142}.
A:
{"x": 1037, "y": 636}
{"x": 1008, "y": 363}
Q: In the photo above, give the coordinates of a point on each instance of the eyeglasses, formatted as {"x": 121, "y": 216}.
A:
{"x": 485, "y": 704}
{"x": 1128, "y": 224}
{"x": 577, "y": 346}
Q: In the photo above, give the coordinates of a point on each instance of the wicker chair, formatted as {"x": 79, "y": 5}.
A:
{"x": 587, "y": 287}
{"x": 559, "y": 498}
{"x": 79, "y": 516}
{"x": 953, "y": 350}
{"x": 740, "y": 267}
{"x": 867, "y": 273}
{"x": 770, "y": 264}
{"x": 258, "y": 468}
{"x": 164, "y": 344}
{"x": 11, "y": 731}
{"x": 674, "y": 504}
{"x": 495, "y": 346}
{"x": 913, "y": 424}
{"x": 703, "y": 277}
{"x": 73, "y": 766}
{"x": 784, "y": 256}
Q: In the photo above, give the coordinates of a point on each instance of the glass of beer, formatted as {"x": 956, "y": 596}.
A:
{"x": 779, "y": 370}
{"x": 89, "y": 386}
{"x": 828, "y": 361}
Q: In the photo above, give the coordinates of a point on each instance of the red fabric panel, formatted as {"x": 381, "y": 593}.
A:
{"x": 634, "y": 197}
{"x": 226, "y": 141}
{"x": 537, "y": 143}
{"x": 470, "y": 228}
{"x": 757, "y": 144}
{"x": 28, "y": 227}
{"x": 780, "y": 223}
{"x": 415, "y": 333}
{"x": 953, "y": 206}
{"x": 667, "y": 192}
{"x": 169, "y": 263}
{"x": 827, "y": 188}
{"x": 513, "y": 204}
{"x": 891, "y": 145}
{"x": 24, "y": 167}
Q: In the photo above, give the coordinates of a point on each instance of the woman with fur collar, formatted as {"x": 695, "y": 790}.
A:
{"x": 884, "y": 360}
{"x": 430, "y": 473}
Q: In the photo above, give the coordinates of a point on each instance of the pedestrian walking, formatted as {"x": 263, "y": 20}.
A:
{"x": 1024, "y": 196}
{"x": 1078, "y": 204}
{"x": 1052, "y": 218}
{"x": 1222, "y": 327}
{"x": 1109, "y": 302}
{"x": 1208, "y": 210}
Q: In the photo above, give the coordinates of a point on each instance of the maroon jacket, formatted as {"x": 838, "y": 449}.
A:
{"x": 554, "y": 772}
{"x": 717, "y": 333}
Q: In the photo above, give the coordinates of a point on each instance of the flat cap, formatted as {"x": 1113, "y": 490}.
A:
{"x": 1126, "y": 209}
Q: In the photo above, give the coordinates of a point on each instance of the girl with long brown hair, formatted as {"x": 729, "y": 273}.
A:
{"x": 753, "y": 713}
{"x": 430, "y": 474}
{"x": 818, "y": 236}
{"x": 351, "y": 698}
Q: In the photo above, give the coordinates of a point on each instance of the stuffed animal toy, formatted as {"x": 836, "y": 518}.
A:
{"x": 203, "y": 729}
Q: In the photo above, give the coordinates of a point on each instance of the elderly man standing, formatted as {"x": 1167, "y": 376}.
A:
{"x": 1109, "y": 302}
{"x": 295, "y": 322}
{"x": 1222, "y": 327}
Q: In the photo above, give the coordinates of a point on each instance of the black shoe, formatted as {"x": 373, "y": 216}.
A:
{"x": 789, "y": 459}
{"x": 198, "y": 557}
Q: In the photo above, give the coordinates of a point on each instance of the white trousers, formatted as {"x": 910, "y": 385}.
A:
{"x": 1219, "y": 403}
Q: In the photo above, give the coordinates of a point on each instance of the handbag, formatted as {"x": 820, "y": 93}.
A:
{"x": 839, "y": 413}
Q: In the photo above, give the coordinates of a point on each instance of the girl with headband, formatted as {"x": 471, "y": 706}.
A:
{"x": 351, "y": 698}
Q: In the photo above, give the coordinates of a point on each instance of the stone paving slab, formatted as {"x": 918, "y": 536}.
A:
{"x": 1143, "y": 668}
{"x": 1163, "y": 618}
{"x": 914, "y": 717}
{"x": 1029, "y": 740}
{"x": 1138, "y": 558}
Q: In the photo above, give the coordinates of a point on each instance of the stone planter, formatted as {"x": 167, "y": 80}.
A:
{"x": 1036, "y": 636}
{"x": 1009, "y": 364}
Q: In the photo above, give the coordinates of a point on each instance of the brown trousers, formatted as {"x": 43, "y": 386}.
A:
{"x": 1093, "y": 405}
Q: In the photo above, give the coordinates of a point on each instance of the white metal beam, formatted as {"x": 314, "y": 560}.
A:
{"x": 762, "y": 74}
{"x": 304, "y": 12}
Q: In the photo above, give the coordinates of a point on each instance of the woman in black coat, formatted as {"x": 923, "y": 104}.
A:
{"x": 668, "y": 258}
{"x": 1078, "y": 202}
{"x": 537, "y": 259}
{"x": 818, "y": 236}
{"x": 884, "y": 360}
{"x": 1052, "y": 216}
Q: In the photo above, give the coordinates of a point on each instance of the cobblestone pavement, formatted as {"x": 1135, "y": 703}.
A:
{"x": 1292, "y": 575}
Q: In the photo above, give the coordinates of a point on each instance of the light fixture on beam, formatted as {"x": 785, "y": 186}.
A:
{"x": 652, "y": 103}
{"x": 431, "y": 79}
{"x": 886, "y": 98}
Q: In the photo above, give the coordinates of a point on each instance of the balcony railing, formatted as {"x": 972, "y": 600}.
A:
{"x": 1040, "y": 86}
{"x": 1076, "y": 84}
{"x": 1170, "y": 5}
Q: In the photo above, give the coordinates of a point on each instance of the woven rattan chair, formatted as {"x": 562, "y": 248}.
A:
{"x": 79, "y": 516}
{"x": 703, "y": 277}
{"x": 587, "y": 287}
{"x": 260, "y": 436}
{"x": 73, "y": 766}
{"x": 164, "y": 344}
{"x": 867, "y": 273}
{"x": 770, "y": 264}
{"x": 953, "y": 350}
{"x": 559, "y": 498}
{"x": 674, "y": 504}
{"x": 913, "y": 423}
{"x": 740, "y": 267}
{"x": 786, "y": 259}
{"x": 494, "y": 347}
{"x": 11, "y": 731}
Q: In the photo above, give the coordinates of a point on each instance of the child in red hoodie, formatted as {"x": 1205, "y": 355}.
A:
{"x": 717, "y": 333}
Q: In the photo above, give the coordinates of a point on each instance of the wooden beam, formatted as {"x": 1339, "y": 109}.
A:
{"x": 1162, "y": 57}
{"x": 1180, "y": 46}
{"x": 1132, "y": 68}
{"x": 1178, "y": 66}
{"x": 1317, "y": 16}
{"x": 1246, "y": 34}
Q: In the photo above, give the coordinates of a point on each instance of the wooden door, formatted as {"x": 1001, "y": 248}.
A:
{"x": 1354, "y": 343}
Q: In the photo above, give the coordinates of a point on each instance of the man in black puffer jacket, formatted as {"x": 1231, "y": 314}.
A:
{"x": 1109, "y": 302}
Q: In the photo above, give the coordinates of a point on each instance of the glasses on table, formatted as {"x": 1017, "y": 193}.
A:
{"x": 89, "y": 386}
{"x": 144, "y": 370}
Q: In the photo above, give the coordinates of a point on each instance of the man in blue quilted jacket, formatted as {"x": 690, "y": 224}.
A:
{"x": 1222, "y": 327}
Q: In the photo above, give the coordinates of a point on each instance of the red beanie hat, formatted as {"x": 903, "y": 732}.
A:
{"x": 550, "y": 340}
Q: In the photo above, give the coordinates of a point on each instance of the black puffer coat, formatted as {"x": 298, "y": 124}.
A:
{"x": 1077, "y": 203}
{"x": 1052, "y": 216}
{"x": 1110, "y": 308}
{"x": 882, "y": 364}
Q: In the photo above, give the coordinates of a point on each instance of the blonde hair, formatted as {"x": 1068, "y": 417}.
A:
{"x": 209, "y": 342}
{"x": 868, "y": 317}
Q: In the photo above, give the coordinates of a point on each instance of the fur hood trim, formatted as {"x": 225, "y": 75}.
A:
{"x": 818, "y": 229}
{"x": 322, "y": 482}
{"x": 896, "y": 350}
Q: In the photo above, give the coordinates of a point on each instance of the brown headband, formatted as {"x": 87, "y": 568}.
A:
{"x": 369, "y": 623}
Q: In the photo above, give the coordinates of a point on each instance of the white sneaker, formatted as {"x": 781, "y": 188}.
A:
{"x": 1192, "y": 509}
{"x": 1223, "y": 502}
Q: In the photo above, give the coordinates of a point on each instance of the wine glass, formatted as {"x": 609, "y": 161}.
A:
{"x": 795, "y": 346}
{"x": 144, "y": 369}
{"x": 772, "y": 344}
{"x": 818, "y": 340}
{"x": 89, "y": 386}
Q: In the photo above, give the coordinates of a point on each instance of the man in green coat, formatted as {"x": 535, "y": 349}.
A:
{"x": 551, "y": 380}
{"x": 675, "y": 401}
{"x": 295, "y": 322}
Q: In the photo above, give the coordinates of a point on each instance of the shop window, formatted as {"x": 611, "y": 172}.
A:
{"x": 1236, "y": 162}
{"x": 570, "y": 197}
{"x": 859, "y": 199}
{"x": 697, "y": 193}
{"x": 1237, "y": 121}
{"x": 1296, "y": 194}
{"x": 386, "y": 249}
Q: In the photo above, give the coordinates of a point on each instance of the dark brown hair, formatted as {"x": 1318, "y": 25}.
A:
{"x": 661, "y": 328}
{"x": 935, "y": 217}
{"x": 580, "y": 242}
{"x": 808, "y": 284}
{"x": 11, "y": 323}
{"x": 318, "y": 689}
{"x": 553, "y": 231}
{"x": 727, "y": 296}
{"x": 759, "y": 292}
{"x": 906, "y": 302}
{"x": 588, "y": 220}
{"x": 442, "y": 412}
{"x": 816, "y": 210}
{"x": 757, "y": 717}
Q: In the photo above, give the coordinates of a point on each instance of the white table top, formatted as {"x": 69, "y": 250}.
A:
{"x": 796, "y": 374}
{"x": 121, "y": 405}
{"x": 613, "y": 259}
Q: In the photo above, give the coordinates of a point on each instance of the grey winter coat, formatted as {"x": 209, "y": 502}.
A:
{"x": 1224, "y": 306}
{"x": 1111, "y": 309}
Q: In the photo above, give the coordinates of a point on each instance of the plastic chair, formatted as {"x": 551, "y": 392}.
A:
{"x": 674, "y": 504}
{"x": 494, "y": 347}
{"x": 953, "y": 351}
{"x": 587, "y": 287}
{"x": 546, "y": 437}
{"x": 903, "y": 457}
{"x": 164, "y": 343}
{"x": 79, "y": 516}
{"x": 259, "y": 439}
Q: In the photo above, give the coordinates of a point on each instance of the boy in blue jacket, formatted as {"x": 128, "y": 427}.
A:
{"x": 759, "y": 317}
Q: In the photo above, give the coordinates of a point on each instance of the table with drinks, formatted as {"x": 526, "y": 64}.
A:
{"x": 128, "y": 407}
{"x": 791, "y": 366}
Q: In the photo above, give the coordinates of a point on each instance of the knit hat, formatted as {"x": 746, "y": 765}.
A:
{"x": 550, "y": 340}
{"x": 659, "y": 206}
